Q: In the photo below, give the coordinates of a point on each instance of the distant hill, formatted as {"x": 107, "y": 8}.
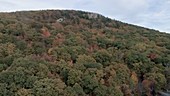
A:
{"x": 76, "y": 53}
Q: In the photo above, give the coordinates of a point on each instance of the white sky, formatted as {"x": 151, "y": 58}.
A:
{"x": 154, "y": 14}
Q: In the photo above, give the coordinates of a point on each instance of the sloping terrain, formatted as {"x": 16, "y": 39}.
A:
{"x": 75, "y": 53}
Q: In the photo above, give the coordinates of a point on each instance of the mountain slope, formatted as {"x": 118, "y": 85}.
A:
{"x": 72, "y": 53}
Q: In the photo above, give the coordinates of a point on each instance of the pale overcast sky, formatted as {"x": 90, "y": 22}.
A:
{"x": 153, "y": 14}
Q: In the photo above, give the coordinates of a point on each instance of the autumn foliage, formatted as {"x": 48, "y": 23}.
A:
{"x": 76, "y": 53}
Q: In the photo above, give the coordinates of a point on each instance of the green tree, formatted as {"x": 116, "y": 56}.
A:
{"x": 74, "y": 76}
{"x": 158, "y": 78}
{"x": 78, "y": 89}
{"x": 89, "y": 84}
{"x": 61, "y": 53}
{"x": 122, "y": 73}
{"x": 48, "y": 87}
{"x": 103, "y": 57}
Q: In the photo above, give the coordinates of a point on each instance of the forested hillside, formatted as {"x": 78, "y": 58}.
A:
{"x": 76, "y": 53}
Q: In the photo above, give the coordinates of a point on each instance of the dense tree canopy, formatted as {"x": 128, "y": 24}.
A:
{"x": 75, "y": 53}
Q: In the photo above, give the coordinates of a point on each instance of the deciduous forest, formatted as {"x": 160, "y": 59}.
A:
{"x": 76, "y": 53}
